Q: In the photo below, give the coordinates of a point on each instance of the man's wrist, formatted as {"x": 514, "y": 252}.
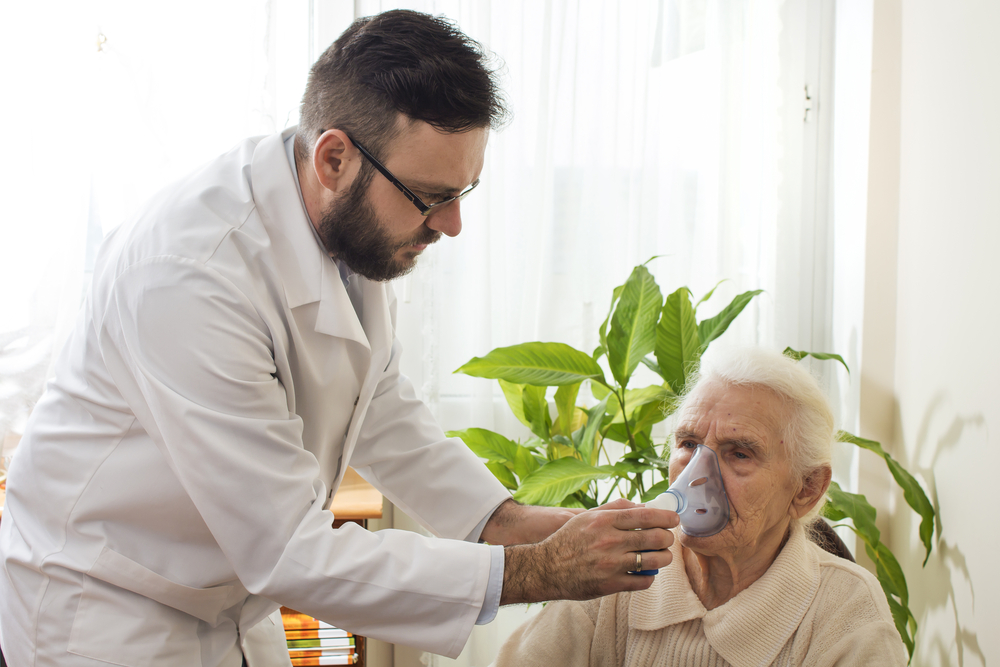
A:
{"x": 501, "y": 527}
{"x": 521, "y": 582}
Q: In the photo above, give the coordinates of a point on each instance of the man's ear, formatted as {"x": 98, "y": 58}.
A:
{"x": 335, "y": 161}
{"x": 813, "y": 488}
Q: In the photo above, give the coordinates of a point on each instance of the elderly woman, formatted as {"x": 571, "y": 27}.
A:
{"x": 758, "y": 592}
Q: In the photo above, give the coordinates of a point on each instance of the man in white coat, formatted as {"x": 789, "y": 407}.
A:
{"x": 235, "y": 353}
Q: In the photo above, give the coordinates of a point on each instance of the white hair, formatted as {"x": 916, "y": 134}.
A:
{"x": 810, "y": 431}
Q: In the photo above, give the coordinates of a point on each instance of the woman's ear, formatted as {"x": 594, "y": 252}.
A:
{"x": 335, "y": 161}
{"x": 814, "y": 486}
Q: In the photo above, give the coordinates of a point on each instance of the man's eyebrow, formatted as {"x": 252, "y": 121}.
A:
{"x": 432, "y": 188}
{"x": 681, "y": 433}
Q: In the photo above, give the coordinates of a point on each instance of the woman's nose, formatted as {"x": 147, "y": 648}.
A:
{"x": 448, "y": 221}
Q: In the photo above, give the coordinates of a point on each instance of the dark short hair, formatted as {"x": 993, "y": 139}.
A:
{"x": 398, "y": 62}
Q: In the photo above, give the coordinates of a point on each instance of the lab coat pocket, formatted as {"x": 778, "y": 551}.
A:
{"x": 203, "y": 603}
{"x": 122, "y": 628}
{"x": 130, "y": 615}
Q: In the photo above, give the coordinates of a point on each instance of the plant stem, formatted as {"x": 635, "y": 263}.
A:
{"x": 613, "y": 489}
{"x": 628, "y": 430}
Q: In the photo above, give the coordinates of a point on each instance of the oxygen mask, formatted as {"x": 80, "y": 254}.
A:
{"x": 698, "y": 496}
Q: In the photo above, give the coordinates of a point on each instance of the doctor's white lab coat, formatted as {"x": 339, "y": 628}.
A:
{"x": 170, "y": 490}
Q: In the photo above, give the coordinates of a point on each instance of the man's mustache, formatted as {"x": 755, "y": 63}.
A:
{"x": 425, "y": 237}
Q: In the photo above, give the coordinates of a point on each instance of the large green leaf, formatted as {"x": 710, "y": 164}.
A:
{"x": 573, "y": 501}
{"x": 653, "y": 413}
{"x": 602, "y": 347}
{"x": 550, "y": 484}
{"x": 905, "y": 624}
{"x": 856, "y": 507}
{"x": 648, "y": 408}
{"x": 536, "y": 411}
{"x": 912, "y": 492}
{"x": 653, "y": 366}
{"x": 713, "y": 327}
{"x": 618, "y": 433}
{"x": 633, "y": 324}
{"x": 678, "y": 346}
{"x": 525, "y": 463}
{"x": 514, "y": 393}
{"x": 708, "y": 295}
{"x": 636, "y": 398}
{"x": 599, "y": 391}
{"x": 566, "y": 406}
{"x": 541, "y": 364}
{"x": 655, "y": 490}
{"x": 488, "y": 445}
{"x": 587, "y": 442}
{"x": 650, "y": 457}
{"x": 799, "y": 355}
{"x": 503, "y": 473}
{"x": 893, "y": 582}
{"x": 889, "y": 572}
{"x": 627, "y": 467}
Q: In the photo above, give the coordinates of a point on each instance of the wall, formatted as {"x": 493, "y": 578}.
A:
{"x": 935, "y": 69}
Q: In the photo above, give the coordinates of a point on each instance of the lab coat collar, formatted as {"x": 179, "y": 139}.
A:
{"x": 308, "y": 273}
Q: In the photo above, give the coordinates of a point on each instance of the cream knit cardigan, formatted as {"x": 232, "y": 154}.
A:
{"x": 809, "y": 609}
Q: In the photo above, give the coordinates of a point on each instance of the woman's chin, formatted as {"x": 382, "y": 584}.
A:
{"x": 711, "y": 545}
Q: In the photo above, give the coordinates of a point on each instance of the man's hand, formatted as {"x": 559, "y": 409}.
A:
{"x": 513, "y": 523}
{"x": 590, "y": 556}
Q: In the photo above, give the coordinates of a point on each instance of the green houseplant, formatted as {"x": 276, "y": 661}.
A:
{"x": 568, "y": 453}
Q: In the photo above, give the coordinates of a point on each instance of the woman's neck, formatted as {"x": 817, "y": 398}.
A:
{"x": 718, "y": 578}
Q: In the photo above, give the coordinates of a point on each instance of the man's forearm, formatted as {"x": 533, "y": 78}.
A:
{"x": 513, "y": 523}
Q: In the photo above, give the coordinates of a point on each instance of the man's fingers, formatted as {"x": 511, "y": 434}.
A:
{"x": 644, "y": 517}
{"x": 653, "y": 539}
{"x": 619, "y": 504}
{"x": 627, "y": 582}
{"x": 637, "y": 561}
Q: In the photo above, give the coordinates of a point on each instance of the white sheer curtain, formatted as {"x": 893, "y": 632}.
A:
{"x": 639, "y": 129}
{"x": 105, "y": 101}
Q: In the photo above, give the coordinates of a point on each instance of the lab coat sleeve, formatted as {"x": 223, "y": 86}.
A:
{"x": 193, "y": 357}
{"x": 403, "y": 452}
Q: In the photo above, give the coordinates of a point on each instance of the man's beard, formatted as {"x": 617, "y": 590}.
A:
{"x": 353, "y": 233}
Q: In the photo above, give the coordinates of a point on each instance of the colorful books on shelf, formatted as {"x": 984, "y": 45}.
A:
{"x": 312, "y": 642}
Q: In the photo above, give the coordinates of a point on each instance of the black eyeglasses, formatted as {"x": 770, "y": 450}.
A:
{"x": 425, "y": 209}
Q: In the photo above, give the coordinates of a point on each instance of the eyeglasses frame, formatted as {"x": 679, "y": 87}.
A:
{"x": 425, "y": 209}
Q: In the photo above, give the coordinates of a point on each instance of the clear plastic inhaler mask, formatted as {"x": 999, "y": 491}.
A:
{"x": 698, "y": 496}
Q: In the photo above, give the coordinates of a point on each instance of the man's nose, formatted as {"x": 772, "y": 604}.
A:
{"x": 448, "y": 221}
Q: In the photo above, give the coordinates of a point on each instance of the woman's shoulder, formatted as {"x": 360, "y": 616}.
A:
{"x": 850, "y": 590}
{"x": 849, "y": 616}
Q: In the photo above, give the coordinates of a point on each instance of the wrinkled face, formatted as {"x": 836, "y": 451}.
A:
{"x": 376, "y": 230}
{"x": 743, "y": 426}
